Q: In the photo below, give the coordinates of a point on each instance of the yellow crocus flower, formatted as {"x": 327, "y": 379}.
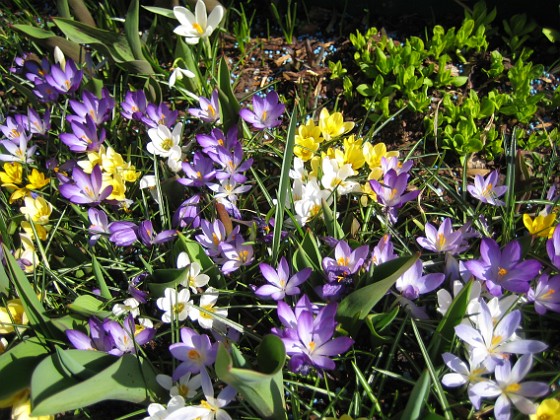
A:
{"x": 309, "y": 130}
{"x": 353, "y": 152}
{"x": 548, "y": 409}
{"x": 37, "y": 210}
{"x": 112, "y": 162}
{"x": 36, "y": 180}
{"x": 541, "y": 225}
{"x": 12, "y": 175}
{"x": 41, "y": 230}
{"x": 27, "y": 253}
{"x": 19, "y": 193}
{"x": 305, "y": 148}
{"x": 374, "y": 154}
{"x": 94, "y": 159}
{"x": 10, "y": 315}
{"x": 21, "y": 410}
{"x": 333, "y": 125}
{"x": 119, "y": 187}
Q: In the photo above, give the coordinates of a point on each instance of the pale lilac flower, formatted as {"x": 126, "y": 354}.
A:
{"x": 197, "y": 25}
{"x": 38, "y": 124}
{"x": 383, "y": 251}
{"x": 208, "y": 304}
{"x": 267, "y": 112}
{"x": 393, "y": 163}
{"x": 503, "y": 269}
{"x": 463, "y": 373}
{"x": 209, "y": 110}
{"x": 412, "y": 284}
{"x": 510, "y": 390}
{"x": 99, "y": 225}
{"x": 492, "y": 344}
{"x": 232, "y": 164}
{"x": 487, "y": 189}
{"x": 444, "y": 239}
{"x": 194, "y": 351}
{"x": 18, "y": 149}
{"x": 237, "y": 254}
{"x": 553, "y": 248}
{"x": 86, "y": 188}
{"x": 212, "y": 237}
{"x": 445, "y": 299}
{"x": 280, "y": 282}
{"x": 134, "y": 105}
{"x": 546, "y": 295}
{"x": 85, "y": 136}
{"x": 391, "y": 193}
{"x": 175, "y": 305}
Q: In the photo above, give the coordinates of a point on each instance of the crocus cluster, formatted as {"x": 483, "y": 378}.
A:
{"x": 308, "y": 333}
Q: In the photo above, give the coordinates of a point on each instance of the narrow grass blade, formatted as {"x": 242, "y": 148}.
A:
{"x": 413, "y": 409}
{"x": 284, "y": 186}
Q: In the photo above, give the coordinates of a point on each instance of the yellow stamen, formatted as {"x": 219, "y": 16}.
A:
{"x": 512, "y": 388}
{"x": 198, "y": 28}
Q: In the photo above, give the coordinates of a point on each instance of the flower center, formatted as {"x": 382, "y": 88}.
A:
{"x": 441, "y": 241}
{"x": 194, "y": 355}
{"x": 497, "y": 339}
{"x": 502, "y": 272}
{"x": 211, "y": 111}
{"x": 208, "y": 308}
{"x": 243, "y": 256}
{"x": 311, "y": 345}
{"x": 343, "y": 261}
{"x": 548, "y": 294}
{"x": 198, "y": 28}
{"x": 488, "y": 190}
{"x": 183, "y": 390}
{"x": 178, "y": 308}
{"x": 512, "y": 388}
{"x": 166, "y": 144}
{"x": 204, "y": 403}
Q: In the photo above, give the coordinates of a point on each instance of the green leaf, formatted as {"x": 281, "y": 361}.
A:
{"x": 50, "y": 40}
{"x": 164, "y": 278}
{"x": 98, "y": 273}
{"x": 229, "y": 106}
{"x": 33, "y": 307}
{"x": 284, "y": 186}
{"x": 357, "y": 305}
{"x": 18, "y": 364}
{"x": 88, "y": 305}
{"x": 332, "y": 225}
{"x": 54, "y": 389}
{"x": 168, "y": 13}
{"x": 131, "y": 30}
{"x": 413, "y": 409}
{"x": 264, "y": 389}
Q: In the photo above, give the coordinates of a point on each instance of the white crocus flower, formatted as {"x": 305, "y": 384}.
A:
{"x": 311, "y": 202}
{"x": 130, "y": 305}
{"x": 197, "y": 25}
{"x": 207, "y": 302}
{"x": 175, "y": 305}
{"x": 164, "y": 142}
{"x": 159, "y": 412}
{"x": 335, "y": 177}
{"x": 194, "y": 278}
{"x": 149, "y": 182}
{"x": 178, "y": 73}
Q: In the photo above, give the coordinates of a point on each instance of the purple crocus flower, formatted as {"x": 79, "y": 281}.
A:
{"x": 393, "y": 163}
{"x": 14, "y": 127}
{"x": 98, "y": 109}
{"x": 553, "y": 248}
{"x": 492, "y": 344}
{"x": 392, "y": 192}
{"x": 217, "y": 138}
{"x": 134, "y": 105}
{"x": 232, "y": 164}
{"x": 443, "y": 239}
{"x": 125, "y": 337}
{"x": 212, "y": 237}
{"x": 123, "y": 233}
{"x": 487, "y": 189}
{"x": 149, "y": 237}
{"x": 45, "y": 92}
{"x": 546, "y": 295}
{"x": 199, "y": 172}
{"x": 237, "y": 253}
{"x": 280, "y": 282}
{"x": 98, "y": 338}
{"x": 99, "y": 225}
{"x": 85, "y": 136}
{"x": 18, "y": 149}
{"x": 187, "y": 215}
{"x": 510, "y": 390}
{"x": 65, "y": 80}
{"x": 195, "y": 352}
{"x": 267, "y": 112}
{"x": 311, "y": 343}
{"x": 209, "y": 110}
{"x": 159, "y": 115}
{"x": 86, "y": 189}
{"x": 412, "y": 284}
{"x": 383, "y": 251}
{"x": 37, "y": 124}
{"x": 503, "y": 269}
